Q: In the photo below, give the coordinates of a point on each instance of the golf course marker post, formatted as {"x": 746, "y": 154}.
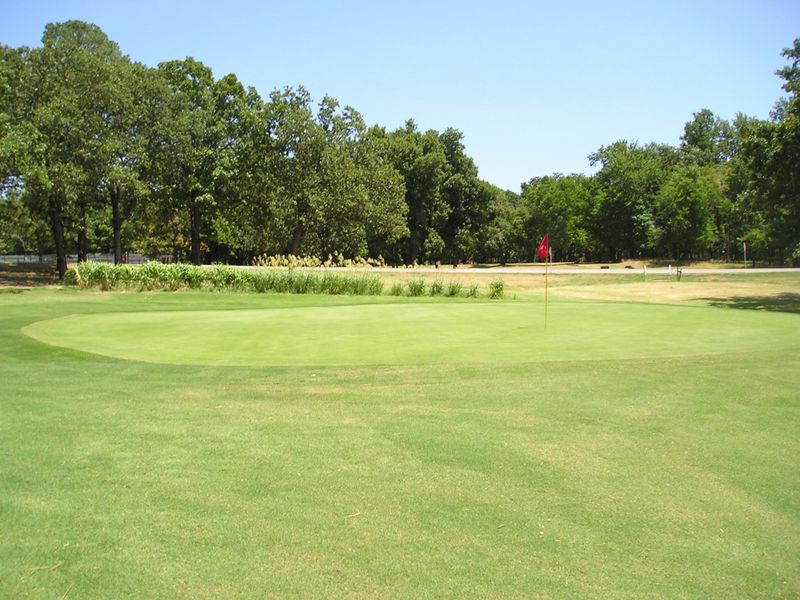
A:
{"x": 543, "y": 253}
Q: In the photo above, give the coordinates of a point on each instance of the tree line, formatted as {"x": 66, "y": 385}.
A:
{"x": 101, "y": 153}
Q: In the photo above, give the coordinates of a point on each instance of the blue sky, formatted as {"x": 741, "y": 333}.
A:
{"x": 535, "y": 87}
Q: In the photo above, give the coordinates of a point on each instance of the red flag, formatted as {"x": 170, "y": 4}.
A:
{"x": 544, "y": 247}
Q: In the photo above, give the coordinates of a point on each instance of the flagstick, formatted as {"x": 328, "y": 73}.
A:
{"x": 546, "y": 263}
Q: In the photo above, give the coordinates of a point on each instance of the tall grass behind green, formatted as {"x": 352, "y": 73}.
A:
{"x": 158, "y": 276}
{"x": 153, "y": 276}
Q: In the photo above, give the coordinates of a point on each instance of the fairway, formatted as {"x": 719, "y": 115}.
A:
{"x": 230, "y": 445}
{"x": 418, "y": 333}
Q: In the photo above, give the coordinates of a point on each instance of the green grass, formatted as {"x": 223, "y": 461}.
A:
{"x": 417, "y": 333}
{"x": 628, "y": 451}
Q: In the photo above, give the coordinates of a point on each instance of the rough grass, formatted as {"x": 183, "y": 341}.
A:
{"x": 649, "y": 477}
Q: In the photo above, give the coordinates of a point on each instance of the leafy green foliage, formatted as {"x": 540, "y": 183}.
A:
{"x": 336, "y": 259}
{"x": 454, "y": 288}
{"x": 707, "y": 140}
{"x": 97, "y": 152}
{"x": 561, "y": 206}
{"x": 684, "y": 211}
{"x": 416, "y": 287}
{"x": 630, "y": 176}
{"x": 157, "y": 276}
{"x": 496, "y": 288}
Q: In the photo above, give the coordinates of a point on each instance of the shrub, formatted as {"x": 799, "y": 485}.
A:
{"x": 437, "y": 288}
{"x": 150, "y": 275}
{"x": 337, "y": 259}
{"x": 288, "y": 260}
{"x": 302, "y": 282}
{"x": 71, "y": 277}
{"x": 472, "y": 292}
{"x": 416, "y": 287}
{"x": 496, "y": 289}
{"x": 94, "y": 274}
{"x": 186, "y": 275}
{"x": 366, "y": 285}
{"x": 282, "y": 281}
{"x": 263, "y": 281}
{"x": 397, "y": 289}
{"x": 154, "y": 275}
{"x": 454, "y": 289}
{"x": 333, "y": 283}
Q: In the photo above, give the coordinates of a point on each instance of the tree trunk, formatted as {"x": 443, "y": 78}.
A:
{"x": 196, "y": 230}
{"x": 83, "y": 239}
{"x": 297, "y": 239}
{"x": 57, "y": 228}
{"x": 116, "y": 220}
{"x": 83, "y": 244}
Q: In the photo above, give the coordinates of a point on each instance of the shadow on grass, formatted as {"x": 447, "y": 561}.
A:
{"x": 26, "y": 276}
{"x": 788, "y": 303}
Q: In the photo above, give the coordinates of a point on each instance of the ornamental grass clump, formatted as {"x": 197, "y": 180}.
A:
{"x": 416, "y": 287}
{"x": 437, "y": 288}
{"x": 183, "y": 275}
{"x": 453, "y": 289}
{"x": 282, "y": 282}
{"x": 302, "y": 282}
{"x": 151, "y": 275}
{"x": 289, "y": 261}
{"x": 336, "y": 259}
{"x": 103, "y": 275}
{"x": 333, "y": 283}
{"x": 365, "y": 285}
{"x": 262, "y": 280}
{"x": 496, "y": 289}
{"x": 223, "y": 277}
{"x": 157, "y": 276}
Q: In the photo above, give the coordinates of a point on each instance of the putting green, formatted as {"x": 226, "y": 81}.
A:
{"x": 424, "y": 333}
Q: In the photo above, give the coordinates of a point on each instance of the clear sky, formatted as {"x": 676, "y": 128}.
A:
{"x": 534, "y": 86}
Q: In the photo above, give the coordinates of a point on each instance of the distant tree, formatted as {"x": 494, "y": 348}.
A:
{"x": 630, "y": 178}
{"x": 15, "y": 129}
{"x": 333, "y": 189}
{"x": 561, "y": 206}
{"x": 770, "y": 154}
{"x": 55, "y": 126}
{"x": 503, "y": 238}
{"x": 190, "y": 153}
{"x": 707, "y": 140}
{"x": 469, "y": 200}
{"x": 385, "y": 211}
{"x": 245, "y": 226}
{"x": 21, "y": 232}
{"x": 422, "y": 161}
{"x": 684, "y": 211}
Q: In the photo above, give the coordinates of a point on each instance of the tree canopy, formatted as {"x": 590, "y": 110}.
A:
{"x": 100, "y": 153}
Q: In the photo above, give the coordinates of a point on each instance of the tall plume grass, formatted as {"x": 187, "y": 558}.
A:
{"x": 172, "y": 277}
{"x": 158, "y": 276}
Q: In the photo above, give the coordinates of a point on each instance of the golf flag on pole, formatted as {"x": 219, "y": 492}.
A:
{"x": 544, "y": 248}
{"x": 543, "y": 253}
